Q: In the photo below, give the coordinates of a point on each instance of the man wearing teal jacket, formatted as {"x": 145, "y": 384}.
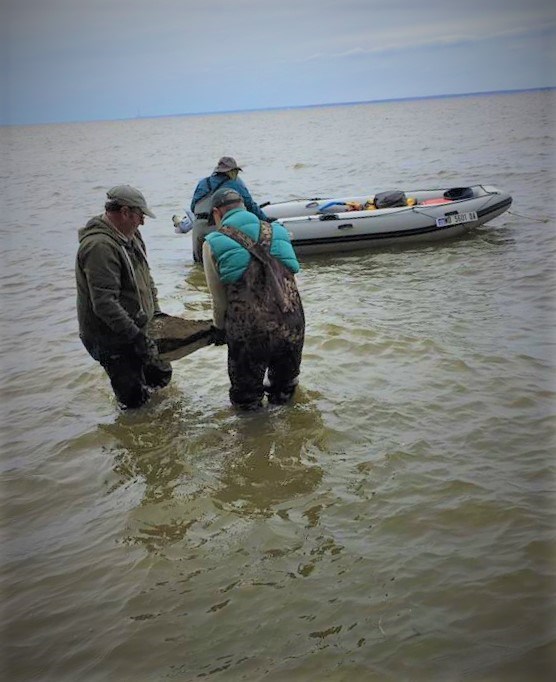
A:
{"x": 250, "y": 267}
{"x": 225, "y": 174}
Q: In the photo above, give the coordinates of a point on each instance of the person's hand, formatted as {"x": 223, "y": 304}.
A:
{"x": 218, "y": 336}
{"x": 143, "y": 346}
{"x": 141, "y": 318}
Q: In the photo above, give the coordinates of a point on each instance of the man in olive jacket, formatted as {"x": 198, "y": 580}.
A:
{"x": 116, "y": 298}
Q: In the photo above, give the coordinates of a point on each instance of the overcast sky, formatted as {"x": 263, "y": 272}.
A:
{"x": 68, "y": 60}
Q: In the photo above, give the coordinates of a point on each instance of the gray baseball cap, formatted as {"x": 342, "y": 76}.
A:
{"x": 225, "y": 196}
{"x": 225, "y": 164}
{"x": 129, "y": 196}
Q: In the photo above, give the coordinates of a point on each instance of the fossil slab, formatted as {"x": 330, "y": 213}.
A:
{"x": 177, "y": 337}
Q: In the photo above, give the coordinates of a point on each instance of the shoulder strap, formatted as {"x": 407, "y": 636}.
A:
{"x": 241, "y": 238}
{"x": 261, "y": 251}
{"x": 211, "y": 189}
{"x": 265, "y": 238}
{"x": 265, "y": 235}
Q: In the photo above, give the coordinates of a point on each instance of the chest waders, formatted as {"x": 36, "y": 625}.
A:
{"x": 265, "y": 325}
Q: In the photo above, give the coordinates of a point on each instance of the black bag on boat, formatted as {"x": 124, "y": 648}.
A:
{"x": 390, "y": 199}
{"x": 458, "y": 193}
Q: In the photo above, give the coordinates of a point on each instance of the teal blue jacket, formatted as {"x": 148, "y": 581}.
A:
{"x": 216, "y": 181}
{"x": 232, "y": 259}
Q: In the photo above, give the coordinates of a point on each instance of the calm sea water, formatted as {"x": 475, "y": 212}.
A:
{"x": 395, "y": 523}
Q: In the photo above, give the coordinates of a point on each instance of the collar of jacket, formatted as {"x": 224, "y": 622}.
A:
{"x": 231, "y": 213}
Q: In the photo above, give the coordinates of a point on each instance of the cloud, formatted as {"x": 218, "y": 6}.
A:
{"x": 57, "y": 54}
{"x": 444, "y": 35}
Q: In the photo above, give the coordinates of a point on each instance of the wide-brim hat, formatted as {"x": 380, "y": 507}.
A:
{"x": 225, "y": 164}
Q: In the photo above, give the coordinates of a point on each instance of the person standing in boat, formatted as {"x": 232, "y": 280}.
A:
{"x": 117, "y": 298}
{"x": 257, "y": 311}
{"x": 225, "y": 174}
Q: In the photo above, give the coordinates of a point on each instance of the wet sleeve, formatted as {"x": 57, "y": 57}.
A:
{"x": 102, "y": 268}
{"x": 215, "y": 287}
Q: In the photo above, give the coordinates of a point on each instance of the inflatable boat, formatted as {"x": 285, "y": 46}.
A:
{"x": 330, "y": 225}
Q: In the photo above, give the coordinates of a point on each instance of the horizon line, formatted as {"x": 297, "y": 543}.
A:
{"x": 352, "y": 103}
{"x": 291, "y": 106}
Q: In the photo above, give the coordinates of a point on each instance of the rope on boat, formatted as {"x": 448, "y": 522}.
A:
{"x": 423, "y": 211}
{"x": 528, "y": 217}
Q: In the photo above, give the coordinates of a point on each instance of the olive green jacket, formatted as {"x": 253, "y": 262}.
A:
{"x": 116, "y": 296}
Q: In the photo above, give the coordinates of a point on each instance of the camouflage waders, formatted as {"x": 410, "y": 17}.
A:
{"x": 265, "y": 326}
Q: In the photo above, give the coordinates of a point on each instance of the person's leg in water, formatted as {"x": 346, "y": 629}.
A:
{"x": 246, "y": 368}
{"x": 157, "y": 372}
{"x": 283, "y": 372}
{"x": 127, "y": 378}
{"x": 132, "y": 379}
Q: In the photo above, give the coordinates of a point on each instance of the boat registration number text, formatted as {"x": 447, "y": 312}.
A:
{"x": 457, "y": 219}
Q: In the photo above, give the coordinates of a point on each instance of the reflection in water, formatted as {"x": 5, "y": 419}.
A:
{"x": 187, "y": 473}
{"x": 147, "y": 450}
{"x": 198, "y": 299}
{"x": 271, "y": 459}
